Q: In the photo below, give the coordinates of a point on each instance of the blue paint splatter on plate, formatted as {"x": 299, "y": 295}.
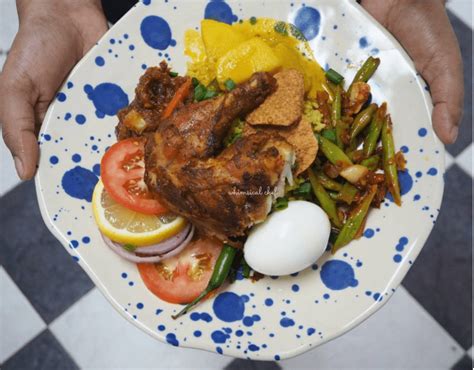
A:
{"x": 363, "y": 43}
{"x": 171, "y": 339}
{"x": 287, "y": 322}
{"x": 422, "y": 132}
{"x": 369, "y": 233}
{"x": 204, "y": 316}
{"x": 100, "y": 61}
{"x": 308, "y": 21}
{"x": 229, "y": 307}
{"x": 219, "y": 10}
{"x": 79, "y": 183}
{"x": 156, "y": 32}
{"x": 219, "y": 336}
{"x": 338, "y": 275}
{"x": 108, "y": 98}
{"x": 61, "y": 97}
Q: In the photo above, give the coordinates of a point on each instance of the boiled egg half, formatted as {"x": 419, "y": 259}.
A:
{"x": 289, "y": 240}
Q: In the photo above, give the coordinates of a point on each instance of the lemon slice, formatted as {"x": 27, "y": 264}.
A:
{"x": 125, "y": 226}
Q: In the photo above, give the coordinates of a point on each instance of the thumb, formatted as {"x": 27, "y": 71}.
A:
{"x": 18, "y": 127}
{"x": 445, "y": 78}
{"x": 424, "y": 30}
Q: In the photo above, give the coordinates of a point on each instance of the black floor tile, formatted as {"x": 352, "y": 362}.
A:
{"x": 116, "y": 9}
{"x": 464, "y": 364}
{"x": 464, "y": 35}
{"x": 441, "y": 278}
{"x": 239, "y": 364}
{"x": 43, "y": 353}
{"x": 35, "y": 260}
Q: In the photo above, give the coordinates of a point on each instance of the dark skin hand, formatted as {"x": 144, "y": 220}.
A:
{"x": 422, "y": 27}
{"x": 55, "y": 35}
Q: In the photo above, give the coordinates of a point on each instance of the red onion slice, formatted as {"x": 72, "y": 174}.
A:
{"x": 166, "y": 245}
{"x": 117, "y": 248}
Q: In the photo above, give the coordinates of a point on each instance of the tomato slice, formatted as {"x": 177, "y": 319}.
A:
{"x": 182, "y": 278}
{"x": 122, "y": 169}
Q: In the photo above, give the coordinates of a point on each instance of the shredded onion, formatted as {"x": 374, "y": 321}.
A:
{"x": 354, "y": 173}
{"x": 132, "y": 257}
{"x": 164, "y": 246}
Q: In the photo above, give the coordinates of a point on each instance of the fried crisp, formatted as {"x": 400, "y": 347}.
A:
{"x": 299, "y": 135}
{"x": 285, "y": 106}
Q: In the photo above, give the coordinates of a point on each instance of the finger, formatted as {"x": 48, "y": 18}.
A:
{"x": 424, "y": 30}
{"x": 437, "y": 57}
{"x": 18, "y": 128}
{"x": 447, "y": 90}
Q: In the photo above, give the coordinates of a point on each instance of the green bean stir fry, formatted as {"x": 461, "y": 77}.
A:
{"x": 357, "y": 164}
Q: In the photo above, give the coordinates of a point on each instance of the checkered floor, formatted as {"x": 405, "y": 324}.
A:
{"x": 52, "y": 316}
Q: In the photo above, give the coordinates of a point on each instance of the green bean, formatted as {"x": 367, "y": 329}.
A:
{"x": 329, "y": 134}
{"x": 336, "y": 106}
{"x": 327, "y": 204}
{"x": 333, "y": 153}
{"x": 354, "y": 221}
{"x": 354, "y": 144}
{"x": 334, "y": 77}
{"x": 374, "y": 131}
{"x": 362, "y": 120}
{"x": 245, "y": 268}
{"x": 355, "y": 155}
{"x": 327, "y": 182}
{"x": 219, "y": 275}
{"x": 389, "y": 163}
{"x": 342, "y": 133}
{"x": 372, "y": 163}
{"x": 333, "y": 195}
{"x": 329, "y": 89}
{"x": 347, "y": 194}
{"x": 367, "y": 70}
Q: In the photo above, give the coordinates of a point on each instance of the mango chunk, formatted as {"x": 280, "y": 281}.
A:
{"x": 240, "y": 63}
{"x": 199, "y": 65}
{"x": 219, "y": 38}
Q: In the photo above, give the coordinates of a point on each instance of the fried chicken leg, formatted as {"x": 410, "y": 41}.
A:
{"x": 223, "y": 192}
{"x": 153, "y": 93}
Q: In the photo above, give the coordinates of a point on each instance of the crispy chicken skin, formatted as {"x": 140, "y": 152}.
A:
{"x": 223, "y": 192}
{"x": 155, "y": 90}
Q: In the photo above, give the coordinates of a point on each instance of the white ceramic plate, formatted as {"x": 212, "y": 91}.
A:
{"x": 273, "y": 318}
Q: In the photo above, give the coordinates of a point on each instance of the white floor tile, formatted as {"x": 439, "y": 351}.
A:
{"x": 449, "y": 160}
{"x": 19, "y": 322}
{"x": 464, "y": 160}
{"x": 8, "y": 176}
{"x": 401, "y": 335}
{"x": 3, "y": 57}
{"x": 8, "y": 23}
{"x": 97, "y": 337}
{"x": 8, "y": 29}
{"x": 462, "y": 9}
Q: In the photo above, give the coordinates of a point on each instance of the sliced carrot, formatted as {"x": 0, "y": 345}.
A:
{"x": 178, "y": 97}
